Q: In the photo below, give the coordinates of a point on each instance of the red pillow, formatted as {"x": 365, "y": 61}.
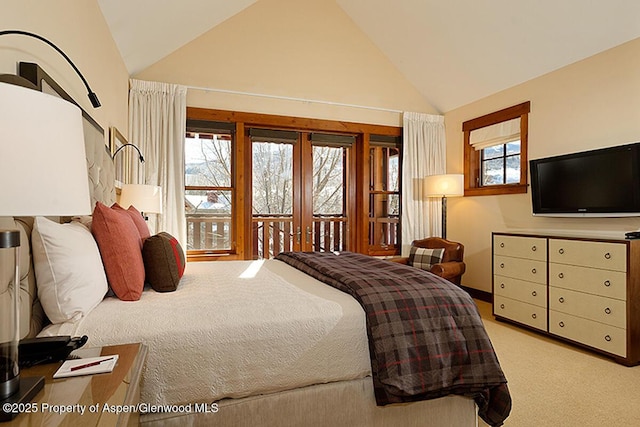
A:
{"x": 164, "y": 262}
{"x": 119, "y": 243}
{"x": 138, "y": 220}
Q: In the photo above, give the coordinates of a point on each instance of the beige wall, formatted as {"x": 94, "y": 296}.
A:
{"x": 591, "y": 104}
{"x": 78, "y": 28}
{"x": 289, "y": 48}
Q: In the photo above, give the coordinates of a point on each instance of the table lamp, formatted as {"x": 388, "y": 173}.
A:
{"x": 145, "y": 198}
{"x": 443, "y": 186}
{"x": 44, "y": 173}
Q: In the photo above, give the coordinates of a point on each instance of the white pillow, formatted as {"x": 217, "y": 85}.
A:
{"x": 69, "y": 272}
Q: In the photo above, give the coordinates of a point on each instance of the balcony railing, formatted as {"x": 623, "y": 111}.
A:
{"x": 212, "y": 232}
{"x": 208, "y": 231}
{"x": 329, "y": 233}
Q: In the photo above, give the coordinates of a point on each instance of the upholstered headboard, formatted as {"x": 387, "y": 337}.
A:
{"x": 101, "y": 174}
{"x": 101, "y": 178}
{"x": 32, "y": 316}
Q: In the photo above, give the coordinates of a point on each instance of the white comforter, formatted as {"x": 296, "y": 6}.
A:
{"x": 234, "y": 329}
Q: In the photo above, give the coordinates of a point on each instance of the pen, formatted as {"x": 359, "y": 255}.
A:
{"x": 87, "y": 365}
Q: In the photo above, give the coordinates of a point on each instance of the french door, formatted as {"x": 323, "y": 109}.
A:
{"x": 302, "y": 192}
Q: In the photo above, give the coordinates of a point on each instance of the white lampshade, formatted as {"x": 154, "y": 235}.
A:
{"x": 43, "y": 167}
{"x": 444, "y": 185}
{"x": 145, "y": 198}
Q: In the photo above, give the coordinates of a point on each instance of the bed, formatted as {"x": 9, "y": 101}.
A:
{"x": 323, "y": 378}
{"x": 272, "y": 345}
{"x": 269, "y": 343}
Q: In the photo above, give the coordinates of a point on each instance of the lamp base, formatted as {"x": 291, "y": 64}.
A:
{"x": 29, "y": 388}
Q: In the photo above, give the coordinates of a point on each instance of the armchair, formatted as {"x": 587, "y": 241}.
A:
{"x": 452, "y": 266}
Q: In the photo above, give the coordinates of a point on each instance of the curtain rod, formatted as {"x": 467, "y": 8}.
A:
{"x": 289, "y": 98}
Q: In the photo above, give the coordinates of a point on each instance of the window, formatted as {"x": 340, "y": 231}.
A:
{"x": 258, "y": 184}
{"x": 496, "y": 152}
{"x": 501, "y": 164}
{"x": 208, "y": 188}
{"x": 384, "y": 195}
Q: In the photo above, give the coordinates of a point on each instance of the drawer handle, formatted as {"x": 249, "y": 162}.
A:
{"x": 607, "y": 255}
{"x": 502, "y": 285}
{"x": 560, "y": 251}
{"x": 533, "y": 270}
{"x": 607, "y": 283}
{"x": 607, "y": 310}
{"x": 561, "y": 324}
{"x": 533, "y": 248}
{"x": 534, "y": 316}
{"x": 502, "y": 265}
{"x": 502, "y": 245}
{"x": 534, "y": 293}
{"x": 561, "y": 299}
{"x": 561, "y": 275}
{"x": 502, "y": 306}
{"x": 607, "y": 338}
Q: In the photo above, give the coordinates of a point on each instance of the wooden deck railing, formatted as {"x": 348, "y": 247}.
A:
{"x": 212, "y": 232}
{"x": 384, "y": 232}
{"x": 208, "y": 231}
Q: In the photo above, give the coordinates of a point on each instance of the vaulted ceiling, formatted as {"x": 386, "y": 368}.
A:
{"x": 453, "y": 51}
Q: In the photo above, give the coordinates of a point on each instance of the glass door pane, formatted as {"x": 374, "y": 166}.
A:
{"x": 208, "y": 191}
{"x": 329, "y": 184}
{"x": 272, "y": 198}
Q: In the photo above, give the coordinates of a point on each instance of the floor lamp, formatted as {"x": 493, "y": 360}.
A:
{"x": 447, "y": 185}
{"x": 43, "y": 171}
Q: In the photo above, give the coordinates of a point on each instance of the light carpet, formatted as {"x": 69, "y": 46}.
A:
{"x": 556, "y": 384}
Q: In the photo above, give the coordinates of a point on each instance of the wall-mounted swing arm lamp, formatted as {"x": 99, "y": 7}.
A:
{"x": 92, "y": 96}
{"x": 125, "y": 145}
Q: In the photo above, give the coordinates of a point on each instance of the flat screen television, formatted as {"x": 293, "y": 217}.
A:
{"x": 604, "y": 182}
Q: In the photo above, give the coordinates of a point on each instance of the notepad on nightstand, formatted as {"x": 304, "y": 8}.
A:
{"x": 86, "y": 366}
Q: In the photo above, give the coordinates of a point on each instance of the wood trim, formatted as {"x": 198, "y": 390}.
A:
{"x": 242, "y": 194}
{"x": 294, "y": 123}
{"x": 496, "y": 190}
{"x": 362, "y": 193}
{"x": 497, "y": 117}
{"x": 479, "y": 295}
{"x": 472, "y": 185}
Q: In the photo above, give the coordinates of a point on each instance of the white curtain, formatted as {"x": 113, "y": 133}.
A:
{"x": 424, "y": 154}
{"x": 157, "y": 125}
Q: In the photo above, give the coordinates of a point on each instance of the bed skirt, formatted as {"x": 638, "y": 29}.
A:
{"x": 344, "y": 403}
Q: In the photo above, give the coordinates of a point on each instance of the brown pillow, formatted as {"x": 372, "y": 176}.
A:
{"x": 138, "y": 220}
{"x": 164, "y": 262}
{"x": 119, "y": 243}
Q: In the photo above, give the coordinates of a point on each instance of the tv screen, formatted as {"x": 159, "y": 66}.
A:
{"x": 603, "y": 182}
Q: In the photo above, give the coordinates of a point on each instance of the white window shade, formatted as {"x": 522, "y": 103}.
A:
{"x": 497, "y": 134}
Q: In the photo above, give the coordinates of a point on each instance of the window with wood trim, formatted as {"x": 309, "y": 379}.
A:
{"x": 384, "y": 194}
{"x": 495, "y": 152}
{"x": 209, "y": 190}
{"x": 322, "y": 197}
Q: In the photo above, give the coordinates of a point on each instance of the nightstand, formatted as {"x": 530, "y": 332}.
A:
{"x": 91, "y": 400}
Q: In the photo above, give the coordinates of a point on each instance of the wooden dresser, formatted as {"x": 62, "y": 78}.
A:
{"x": 582, "y": 290}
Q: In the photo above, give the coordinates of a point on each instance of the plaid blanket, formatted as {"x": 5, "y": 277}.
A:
{"x": 426, "y": 338}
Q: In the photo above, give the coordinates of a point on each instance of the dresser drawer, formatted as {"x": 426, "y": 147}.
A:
{"x": 520, "y": 268}
{"x": 610, "y": 256}
{"x": 594, "y": 334}
{"x": 600, "y": 309}
{"x": 520, "y": 247}
{"x": 607, "y": 283}
{"x": 521, "y": 312}
{"x": 521, "y": 290}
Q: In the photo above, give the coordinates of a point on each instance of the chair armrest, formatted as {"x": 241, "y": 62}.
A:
{"x": 449, "y": 269}
{"x": 400, "y": 260}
